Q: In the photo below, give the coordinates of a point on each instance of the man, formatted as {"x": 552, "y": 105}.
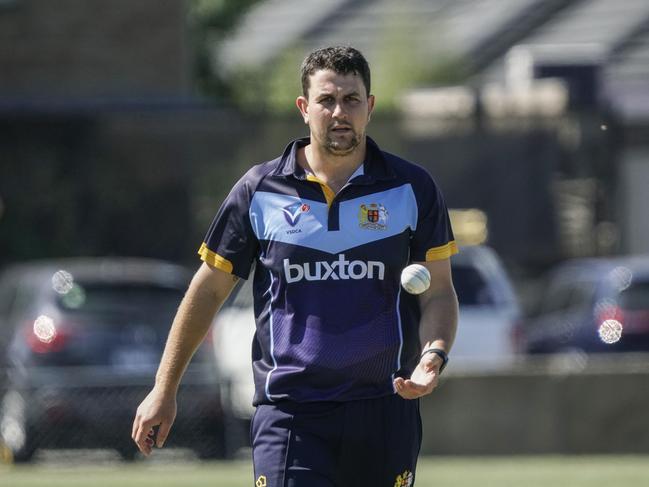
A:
{"x": 341, "y": 353}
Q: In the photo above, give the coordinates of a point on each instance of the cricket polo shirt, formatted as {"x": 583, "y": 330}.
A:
{"x": 333, "y": 323}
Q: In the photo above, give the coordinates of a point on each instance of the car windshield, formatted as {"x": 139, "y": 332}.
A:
{"x": 102, "y": 299}
{"x": 635, "y": 297}
{"x": 122, "y": 324}
{"x": 470, "y": 287}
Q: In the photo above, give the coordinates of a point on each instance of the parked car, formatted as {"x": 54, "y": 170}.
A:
{"x": 592, "y": 305}
{"x": 488, "y": 311}
{"x": 84, "y": 338}
{"x": 232, "y": 334}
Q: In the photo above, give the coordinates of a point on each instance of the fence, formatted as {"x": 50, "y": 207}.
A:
{"x": 93, "y": 407}
{"x": 568, "y": 405}
{"x": 571, "y": 404}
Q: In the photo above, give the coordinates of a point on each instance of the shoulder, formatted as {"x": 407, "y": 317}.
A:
{"x": 254, "y": 177}
{"x": 409, "y": 172}
{"x": 425, "y": 191}
{"x": 257, "y": 173}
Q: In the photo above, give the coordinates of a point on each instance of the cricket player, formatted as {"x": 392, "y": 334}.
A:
{"x": 341, "y": 353}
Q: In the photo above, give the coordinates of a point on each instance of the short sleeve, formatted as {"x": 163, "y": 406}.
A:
{"x": 433, "y": 239}
{"x": 230, "y": 244}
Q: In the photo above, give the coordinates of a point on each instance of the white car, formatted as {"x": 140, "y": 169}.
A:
{"x": 232, "y": 334}
{"x": 489, "y": 310}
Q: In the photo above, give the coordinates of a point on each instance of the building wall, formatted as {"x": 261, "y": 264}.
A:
{"x": 635, "y": 199}
{"x": 92, "y": 48}
{"x": 160, "y": 176}
{"x": 596, "y": 409}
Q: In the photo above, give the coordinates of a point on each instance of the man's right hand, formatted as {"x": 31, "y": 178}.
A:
{"x": 206, "y": 293}
{"x": 157, "y": 409}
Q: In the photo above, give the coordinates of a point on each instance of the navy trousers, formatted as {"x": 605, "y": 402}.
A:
{"x": 367, "y": 443}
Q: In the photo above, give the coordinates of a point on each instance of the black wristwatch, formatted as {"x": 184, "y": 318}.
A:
{"x": 440, "y": 353}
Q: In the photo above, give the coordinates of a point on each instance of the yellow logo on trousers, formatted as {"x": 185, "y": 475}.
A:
{"x": 405, "y": 479}
{"x": 261, "y": 481}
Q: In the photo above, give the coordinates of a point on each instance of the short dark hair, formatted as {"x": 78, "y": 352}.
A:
{"x": 340, "y": 60}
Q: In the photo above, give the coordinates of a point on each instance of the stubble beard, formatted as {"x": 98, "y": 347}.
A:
{"x": 344, "y": 147}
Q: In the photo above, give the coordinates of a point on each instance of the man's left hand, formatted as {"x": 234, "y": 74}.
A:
{"x": 424, "y": 378}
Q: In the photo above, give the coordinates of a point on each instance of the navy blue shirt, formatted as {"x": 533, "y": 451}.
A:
{"x": 333, "y": 323}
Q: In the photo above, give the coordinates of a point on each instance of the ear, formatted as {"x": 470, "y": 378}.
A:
{"x": 303, "y": 105}
{"x": 370, "y": 106}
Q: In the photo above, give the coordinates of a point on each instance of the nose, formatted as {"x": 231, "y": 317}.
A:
{"x": 339, "y": 111}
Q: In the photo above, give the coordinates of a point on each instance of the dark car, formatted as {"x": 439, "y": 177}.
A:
{"x": 82, "y": 342}
{"x": 592, "y": 305}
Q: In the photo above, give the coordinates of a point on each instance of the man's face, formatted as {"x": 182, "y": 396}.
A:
{"x": 337, "y": 111}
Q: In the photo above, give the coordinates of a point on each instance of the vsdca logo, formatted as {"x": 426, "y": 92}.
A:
{"x": 336, "y": 270}
{"x": 293, "y": 212}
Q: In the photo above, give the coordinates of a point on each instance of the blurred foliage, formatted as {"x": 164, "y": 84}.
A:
{"x": 210, "y": 21}
{"x": 399, "y": 61}
{"x": 271, "y": 88}
{"x": 408, "y": 58}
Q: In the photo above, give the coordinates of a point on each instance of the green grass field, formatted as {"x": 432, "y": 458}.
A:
{"x": 538, "y": 471}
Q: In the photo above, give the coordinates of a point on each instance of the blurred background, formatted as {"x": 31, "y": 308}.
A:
{"x": 124, "y": 124}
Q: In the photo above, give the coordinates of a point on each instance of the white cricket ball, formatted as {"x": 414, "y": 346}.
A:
{"x": 415, "y": 279}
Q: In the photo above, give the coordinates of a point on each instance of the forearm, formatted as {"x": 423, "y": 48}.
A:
{"x": 439, "y": 316}
{"x": 439, "y": 311}
{"x": 193, "y": 319}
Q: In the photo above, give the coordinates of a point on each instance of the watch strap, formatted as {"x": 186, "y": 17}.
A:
{"x": 440, "y": 353}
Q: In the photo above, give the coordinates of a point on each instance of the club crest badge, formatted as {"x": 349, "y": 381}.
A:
{"x": 373, "y": 216}
{"x": 293, "y": 212}
{"x": 405, "y": 479}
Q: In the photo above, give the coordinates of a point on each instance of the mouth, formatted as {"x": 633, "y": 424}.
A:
{"x": 341, "y": 130}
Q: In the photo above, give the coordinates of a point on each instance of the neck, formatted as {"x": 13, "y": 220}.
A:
{"x": 333, "y": 170}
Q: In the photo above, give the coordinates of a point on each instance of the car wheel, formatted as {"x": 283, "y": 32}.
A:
{"x": 209, "y": 453}
{"x": 18, "y": 440}
{"x": 24, "y": 455}
{"x": 236, "y": 435}
{"x": 211, "y": 448}
{"x": 127, "y": 453}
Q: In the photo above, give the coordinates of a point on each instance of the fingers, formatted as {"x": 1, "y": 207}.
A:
{"x": 144, "y": 434}
{"x": 144, "y": 437}
{"x": 163, "y": 432}
{"x": 408, "y": 389}
{"x": 153, "y": 421}
{"x": 400, "y": 388}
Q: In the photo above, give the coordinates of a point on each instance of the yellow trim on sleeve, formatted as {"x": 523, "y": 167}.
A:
{"x": 214, "y": 259}
{"x": 442, "y": 252}
{"x": 328, "y": 192}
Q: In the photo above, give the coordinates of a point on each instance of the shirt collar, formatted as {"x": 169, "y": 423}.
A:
{"x": 374, "y": 167}
{"x": 360, "y": 171}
